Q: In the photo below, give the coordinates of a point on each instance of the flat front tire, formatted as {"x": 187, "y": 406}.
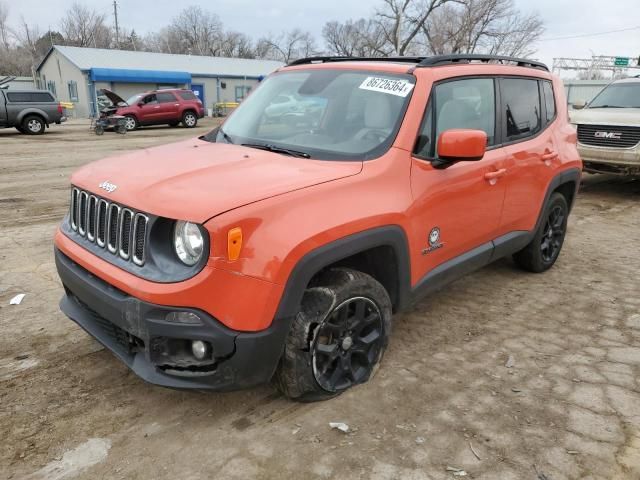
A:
{"x": 543, "y": 251}
{"x": 337, "y": 339}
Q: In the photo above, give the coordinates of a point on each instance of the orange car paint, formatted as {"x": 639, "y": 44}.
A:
{"x": 227, "y": 187}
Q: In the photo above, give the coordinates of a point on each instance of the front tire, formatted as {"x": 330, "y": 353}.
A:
{"x": 33, "y": 125}
{"x": 543, "y": 251}
{"x": 337, "y": 339}
{"x": 189, "y": 119}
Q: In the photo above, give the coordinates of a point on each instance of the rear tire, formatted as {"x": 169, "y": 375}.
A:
{"x": 338, "y": 338}
{"x": 189, "y": 119}
{"x": 33, "y": 125}
{"x": 543, "y": 251}
{"x": 131, "y": 122}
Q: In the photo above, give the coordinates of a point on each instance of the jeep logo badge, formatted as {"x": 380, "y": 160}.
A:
{"x": 108, "y": 186}
{"x": 434, "y": 241}
{"x": 611, "y": 135}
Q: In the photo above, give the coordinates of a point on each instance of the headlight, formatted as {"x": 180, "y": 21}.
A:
{"x": 188, "y": 242}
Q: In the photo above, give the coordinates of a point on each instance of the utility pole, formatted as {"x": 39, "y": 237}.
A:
{"x": 115, "y": 14}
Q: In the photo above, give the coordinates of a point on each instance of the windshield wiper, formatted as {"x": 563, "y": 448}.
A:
{"x": 275, "y": 149}
{"x": 225, "y": 135}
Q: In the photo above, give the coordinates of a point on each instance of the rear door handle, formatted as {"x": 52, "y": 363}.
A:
{"x": 549, "y": 156}
{"x": 495, "y": 175}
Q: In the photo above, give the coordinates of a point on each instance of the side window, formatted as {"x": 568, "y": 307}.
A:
{"x": 166, "y": 97}
{"x": 521, "y": 107}
{"x": 467, "y": 103}
{"x": 73, "y": 90}
{"x": 149, "y": 99}
{"x": 549, "y": 100}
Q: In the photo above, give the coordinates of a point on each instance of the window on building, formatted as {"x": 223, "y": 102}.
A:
{"x": 467, "y": 103}
{"x": 521, "y": 107}
{"x": 241, "y": 92}
{"x": 51, "y": 86}
{"x": 549, "y": 100}
{"x": 166, "y": 97}
{"x": 73, "y": 90}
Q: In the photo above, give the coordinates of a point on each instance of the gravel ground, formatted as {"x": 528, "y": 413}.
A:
{"x": 504, "y": 375}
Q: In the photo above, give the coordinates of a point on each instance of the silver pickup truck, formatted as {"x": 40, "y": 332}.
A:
{"x": 29, "y": 111}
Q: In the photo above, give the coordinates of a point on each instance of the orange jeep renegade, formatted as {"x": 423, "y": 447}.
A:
{"x": 279, "y": 245}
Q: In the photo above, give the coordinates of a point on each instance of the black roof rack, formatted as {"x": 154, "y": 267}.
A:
{"x": 433, "y": 61}
{"x": 327, "y": 59}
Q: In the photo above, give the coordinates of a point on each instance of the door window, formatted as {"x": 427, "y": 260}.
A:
{"x": 150, "y": 99}
{"x": 549, "y": 100}
{"x": 467, "y": 103}
{"x": 520, "y": 108}
{"x": 165, "y": 97}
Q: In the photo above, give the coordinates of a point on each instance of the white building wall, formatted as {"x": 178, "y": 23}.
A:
{"x": 59, "y": 71}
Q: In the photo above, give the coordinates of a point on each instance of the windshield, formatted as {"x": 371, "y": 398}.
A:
{"x": 135, "y": 99}
{"x": 618, "y": 95}
{"x": 328, "y": 114}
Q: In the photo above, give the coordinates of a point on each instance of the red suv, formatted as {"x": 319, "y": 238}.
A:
{"x": 160, "y": 107}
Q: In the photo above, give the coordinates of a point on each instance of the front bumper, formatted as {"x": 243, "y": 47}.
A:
{"x": 136, "y": 332}
{"x": 623, "y": 161}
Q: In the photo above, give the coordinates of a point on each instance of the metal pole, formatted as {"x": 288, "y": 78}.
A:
{"x": 115, "y": 14}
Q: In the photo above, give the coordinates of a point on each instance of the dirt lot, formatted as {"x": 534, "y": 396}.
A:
{"x": 568, "y": 408}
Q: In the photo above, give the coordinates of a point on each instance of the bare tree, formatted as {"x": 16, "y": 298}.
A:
{"x": 5, "y": 32}
{"x": 359, "y": 38}
{"x": 84, "y": 27}
{"x": 401, "y": 21}
{"x": 287, "y": 46}
{"x": 195, "y": 31}
{"x": 482, "y": 26}
{"x": 236, "y": 45}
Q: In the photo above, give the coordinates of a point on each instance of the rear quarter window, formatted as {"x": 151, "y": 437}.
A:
{"x": 30, "y": 97}
{"x": 187, "y": 95}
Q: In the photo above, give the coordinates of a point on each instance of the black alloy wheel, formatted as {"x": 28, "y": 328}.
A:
{"x": 347, "y": 344}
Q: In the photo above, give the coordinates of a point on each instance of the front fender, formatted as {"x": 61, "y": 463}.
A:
{"x": 321, "y": 257}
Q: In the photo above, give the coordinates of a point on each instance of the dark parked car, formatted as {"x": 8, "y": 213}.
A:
{"x": 29, "y": 111}
{"x": 171, "y": 107}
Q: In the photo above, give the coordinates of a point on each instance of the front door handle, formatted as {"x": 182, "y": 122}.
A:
{"x": 493, "y": 176}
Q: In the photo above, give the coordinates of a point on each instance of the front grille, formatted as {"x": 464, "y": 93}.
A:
{"x": 609, "y": 136}
{"x": 120, "y": 230}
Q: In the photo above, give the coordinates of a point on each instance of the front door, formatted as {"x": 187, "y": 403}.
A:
{"x": 149, "y": 109}
{"x": 457, "y": 210}
{"x": 198, "y": 91}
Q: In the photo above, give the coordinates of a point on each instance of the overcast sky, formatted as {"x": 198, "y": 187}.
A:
{"x": 562, "y": 18}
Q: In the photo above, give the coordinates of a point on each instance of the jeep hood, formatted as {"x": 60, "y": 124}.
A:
{"x": 606, "y": 116}
{"x": 195, "y": 180}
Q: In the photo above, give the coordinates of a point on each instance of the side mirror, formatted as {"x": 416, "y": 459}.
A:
{"x": 579, "y": 104}
{"x": 141, "y": 104}
{"x": 461, "y": 145}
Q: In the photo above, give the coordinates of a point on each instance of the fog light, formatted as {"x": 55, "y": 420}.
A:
{"x": 200, "y": 349}
{"x": 183, "y": 317}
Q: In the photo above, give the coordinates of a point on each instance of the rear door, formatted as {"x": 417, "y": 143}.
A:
{"x": 169, "y": 106}
{"x": 529, "y": 144}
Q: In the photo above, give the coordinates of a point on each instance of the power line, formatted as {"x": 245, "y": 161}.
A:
{"x": 589, "y": 34}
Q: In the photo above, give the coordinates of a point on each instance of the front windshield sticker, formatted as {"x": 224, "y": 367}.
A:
{"x": 401, "y": 88}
